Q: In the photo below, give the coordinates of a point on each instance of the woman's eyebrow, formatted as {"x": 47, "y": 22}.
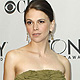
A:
{"x": 28, "y": 19}
{"x": 41, "y": 19}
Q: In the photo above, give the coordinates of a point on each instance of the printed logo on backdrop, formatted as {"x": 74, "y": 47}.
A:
{"x": 1, "y": 50}
{"x": 10, "y": 6}
{"x": 60, "y": 46}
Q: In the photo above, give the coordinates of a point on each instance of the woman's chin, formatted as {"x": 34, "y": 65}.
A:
{"x": 38, "y": 40}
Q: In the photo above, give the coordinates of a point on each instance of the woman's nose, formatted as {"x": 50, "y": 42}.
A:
{"x": 35, "y": 26}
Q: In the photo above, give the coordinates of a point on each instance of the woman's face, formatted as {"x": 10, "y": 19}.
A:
{"x": 38, "y": 25}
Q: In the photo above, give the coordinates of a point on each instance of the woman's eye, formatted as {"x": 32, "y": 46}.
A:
{"x": 41, "y": 21}
{"x": 29, "y": 22}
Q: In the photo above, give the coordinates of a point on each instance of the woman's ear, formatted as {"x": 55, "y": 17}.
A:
{"x": 52, "y": 25}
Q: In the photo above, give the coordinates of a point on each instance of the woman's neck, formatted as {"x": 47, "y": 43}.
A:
{"x": 41, "y": 47}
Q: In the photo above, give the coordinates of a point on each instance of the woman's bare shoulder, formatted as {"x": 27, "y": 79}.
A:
{"x": 63, "y": 59}
{"x": 10, "y": 58}
{"x": 13, "y": 54}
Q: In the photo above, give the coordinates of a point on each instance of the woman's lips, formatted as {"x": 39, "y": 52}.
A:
{"x": 36, "y": 34}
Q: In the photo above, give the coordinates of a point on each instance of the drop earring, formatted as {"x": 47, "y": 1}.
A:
{"x": 51, "y": 36}
{"x": 27, "y": 37}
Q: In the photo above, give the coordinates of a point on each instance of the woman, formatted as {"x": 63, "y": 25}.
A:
{"x": 36, "y": 61}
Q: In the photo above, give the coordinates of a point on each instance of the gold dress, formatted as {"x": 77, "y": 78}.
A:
{"x": 41, "y": 75}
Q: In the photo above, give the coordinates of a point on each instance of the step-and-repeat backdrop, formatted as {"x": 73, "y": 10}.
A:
{"x": 66, "y": 37}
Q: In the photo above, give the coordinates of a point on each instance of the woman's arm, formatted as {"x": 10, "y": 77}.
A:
{"x": 66, "y": 65}
{"x": 9, "y": 66}
{"x": 67, "y": 69}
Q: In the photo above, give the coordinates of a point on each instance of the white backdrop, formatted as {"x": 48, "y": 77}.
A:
{"x": 67, "y": 16}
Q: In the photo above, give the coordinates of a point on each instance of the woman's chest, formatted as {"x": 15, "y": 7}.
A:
{"x": 33, "y": 63}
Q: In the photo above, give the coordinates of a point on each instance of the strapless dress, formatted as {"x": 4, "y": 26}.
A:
{"x": 41, "y": 75}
